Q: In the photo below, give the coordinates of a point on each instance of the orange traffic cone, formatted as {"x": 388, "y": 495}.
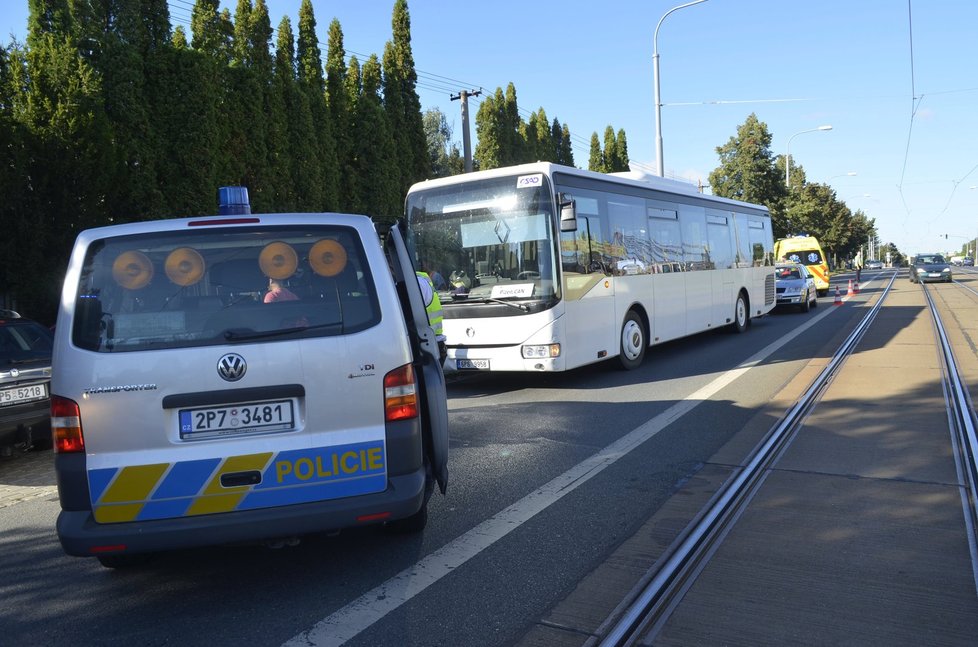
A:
{"x": 838, "y": 296}
{"x": 855, "y": 287}
{"x": 850, "y": 292}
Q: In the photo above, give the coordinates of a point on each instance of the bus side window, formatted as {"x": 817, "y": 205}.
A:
{"x": 666, "y": 248}
{"x": 629, "y": 246}
{"x": 743, "y": 255}
{"x": 693, "y": 221}
{"x": 762, "y": 251}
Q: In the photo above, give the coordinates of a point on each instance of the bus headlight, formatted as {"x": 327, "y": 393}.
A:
{"x": 536, "y": 352}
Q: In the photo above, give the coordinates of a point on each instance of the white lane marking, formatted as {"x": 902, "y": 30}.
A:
{"x": 344, "y": 624}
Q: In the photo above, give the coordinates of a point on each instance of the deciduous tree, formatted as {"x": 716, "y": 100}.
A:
{"x": 747, "y": 171}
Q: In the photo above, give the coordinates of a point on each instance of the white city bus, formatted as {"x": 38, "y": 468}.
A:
{"x": 542, "y": 267}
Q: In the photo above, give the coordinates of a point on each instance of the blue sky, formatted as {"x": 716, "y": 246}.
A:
{"x": 851, "y": 64}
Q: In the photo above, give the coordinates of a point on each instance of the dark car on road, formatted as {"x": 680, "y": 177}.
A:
{"x": 930, "y": 267}
{"x": 25, "y": 376}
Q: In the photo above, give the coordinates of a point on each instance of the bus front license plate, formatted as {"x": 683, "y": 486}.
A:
{"x": 472, "y": 364}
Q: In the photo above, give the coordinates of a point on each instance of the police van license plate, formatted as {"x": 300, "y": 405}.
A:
{"x": 472, "y": 364}
{"x": 238, "y": 419}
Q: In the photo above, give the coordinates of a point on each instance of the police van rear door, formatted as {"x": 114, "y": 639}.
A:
{"x": 425, "y": 345}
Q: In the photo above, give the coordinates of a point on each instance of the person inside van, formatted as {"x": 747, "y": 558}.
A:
{"x": 278, "y": 292}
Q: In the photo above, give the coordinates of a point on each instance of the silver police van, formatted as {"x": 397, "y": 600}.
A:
{"x": 242, "y": 377}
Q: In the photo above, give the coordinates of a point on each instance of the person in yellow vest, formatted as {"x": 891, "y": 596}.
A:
{"x": 433, "y": 308}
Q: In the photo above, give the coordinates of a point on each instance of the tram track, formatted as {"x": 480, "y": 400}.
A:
{"x": 962, "y": 422}
{"x": 643, "y": 614}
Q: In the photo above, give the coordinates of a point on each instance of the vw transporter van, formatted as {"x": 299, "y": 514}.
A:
{"x": 242, "y": 377}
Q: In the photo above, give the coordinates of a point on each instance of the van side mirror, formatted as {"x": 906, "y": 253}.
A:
{"x": 568, "y": 212}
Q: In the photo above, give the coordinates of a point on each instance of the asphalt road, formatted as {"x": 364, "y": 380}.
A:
{"x": 549, "y": 474}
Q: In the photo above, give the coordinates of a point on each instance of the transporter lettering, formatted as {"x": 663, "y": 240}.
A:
{"x": 118, "y": 389}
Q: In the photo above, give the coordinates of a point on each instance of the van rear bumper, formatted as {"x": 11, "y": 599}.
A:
{"x": 80, "y": 535}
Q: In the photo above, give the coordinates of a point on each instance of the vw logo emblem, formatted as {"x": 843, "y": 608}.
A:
{"x": 470, "y": 332}
{"x": 232, "y": 367}
{"x": 14, "y": 372}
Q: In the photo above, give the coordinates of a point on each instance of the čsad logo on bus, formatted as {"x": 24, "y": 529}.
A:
{"x": 525, "y": 181}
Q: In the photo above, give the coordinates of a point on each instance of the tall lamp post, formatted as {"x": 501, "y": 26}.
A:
{"x": 655, "y": 77}
{"x": 974, "y": 253}
{"x": 787, "y": 153}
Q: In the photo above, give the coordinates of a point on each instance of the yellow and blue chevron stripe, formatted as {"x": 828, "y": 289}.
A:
{"x": 188, "y": 488}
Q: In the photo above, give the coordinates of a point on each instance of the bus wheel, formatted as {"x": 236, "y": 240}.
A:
{"x": 741, "y": 318}
{"x": 633, "y": 342}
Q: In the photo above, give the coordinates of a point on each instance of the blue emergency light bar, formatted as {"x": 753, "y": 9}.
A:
{"x": 233, "y": 201}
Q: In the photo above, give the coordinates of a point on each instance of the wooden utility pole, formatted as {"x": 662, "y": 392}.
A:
{"x": 466, "y": 143}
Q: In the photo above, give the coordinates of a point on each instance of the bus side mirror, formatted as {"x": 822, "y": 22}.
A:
{"x": 568, "y": 213}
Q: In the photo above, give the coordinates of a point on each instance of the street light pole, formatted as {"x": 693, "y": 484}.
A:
{"x": 787, "y": 153}
{"x": 660, "y": 166}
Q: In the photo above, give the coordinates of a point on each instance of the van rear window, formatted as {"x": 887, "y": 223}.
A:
{"x": 218, "y": 286}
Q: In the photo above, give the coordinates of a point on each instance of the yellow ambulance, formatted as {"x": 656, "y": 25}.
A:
{"x": 805, "y": 250}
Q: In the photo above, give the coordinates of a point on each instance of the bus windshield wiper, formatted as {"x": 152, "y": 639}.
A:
{"x": 511, "y": 304}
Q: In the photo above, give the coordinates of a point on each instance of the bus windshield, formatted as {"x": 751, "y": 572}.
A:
{"x": 488, "y": 241}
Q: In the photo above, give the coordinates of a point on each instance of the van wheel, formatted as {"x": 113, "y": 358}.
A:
{"x": 124, "y": 560}
{"x": 633, "y": 342}
{"x": 410, "y": 525}
{"x": 417, "y": 521}
{"x": 741, "y": 317}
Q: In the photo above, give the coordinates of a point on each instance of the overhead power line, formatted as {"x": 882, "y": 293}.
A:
{"x": 181, "y": 12}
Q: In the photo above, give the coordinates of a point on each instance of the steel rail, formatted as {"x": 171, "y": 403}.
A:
{"x": 650, "y": 603}
{"x": 965, "y": 287}
{"x": 962, "y": 422}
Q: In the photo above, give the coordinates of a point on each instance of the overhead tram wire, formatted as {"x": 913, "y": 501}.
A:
{"x": 434, "y": 82}
{"x": 915, "y": 104}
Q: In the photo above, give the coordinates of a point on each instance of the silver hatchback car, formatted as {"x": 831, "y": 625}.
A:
{"x": 795, "y": 286}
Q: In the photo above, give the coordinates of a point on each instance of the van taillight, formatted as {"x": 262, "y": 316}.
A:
{"x": 66, "y": 427}
{"x": 400, "y": 394}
